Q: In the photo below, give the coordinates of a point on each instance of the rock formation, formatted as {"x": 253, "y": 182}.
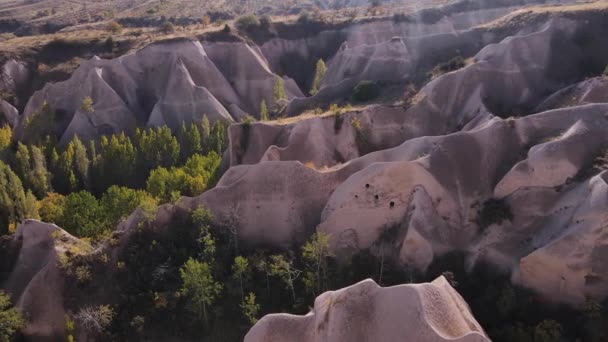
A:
{"x": 36, "y": 281}
{"x": 424, "y": 191}
{"x": 368, "y": 312}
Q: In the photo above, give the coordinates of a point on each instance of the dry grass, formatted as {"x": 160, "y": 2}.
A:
{"x": 518, "y": 15}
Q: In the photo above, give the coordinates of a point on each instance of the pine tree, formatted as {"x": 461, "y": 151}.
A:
{"x": 12, "y": 199}
{"x": 279, "y": 94}
{"x": 263, "y": 111}
{"x": 190, "y": 139}
{"x": 5, "y": 138}
{"x": 40, "y": 178}
{"x": 116, "y": 163}
{"x": 206, "y": 135}
{"x": 81, "y": 163}
{"x": 218, "y": 141}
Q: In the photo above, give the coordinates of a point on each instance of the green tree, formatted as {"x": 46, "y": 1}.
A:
{"x": 39, "y": 177}
{"x": 65, "y": 180}
{"x": 116, "y": 163}
{"x": 30, "y": 206}
{"x": 200, "y": 287}
{"x": 548, "y": 331}
{"x": 315, "y": 253}
{"x": 319, "y": 74}
{"x": 50, "y": 208}
{"x": 23, "y": 167}
{"x": 81, "y": 163}
{"x": 12, "y": 199}
{"x": 5, "y": 137}
{"x": 218, "y": 140}
{"x": 263, "y": 111}
{"x": 283, "y": 268}
{"x": 156, "y": 147}
{"x": 240, "y": 268}
{"x": 250, "y": 308}
{"x": 192, "y": 179}
{"x": 11, "y": 319}
{"x": 119, "y": 201}
{"x": 201, "y": 218}
{"x": 190, "y": 140}
{"x": 279, "y": 94}
{"x": 205, "y": 129}
{"x": 82, "y": 215}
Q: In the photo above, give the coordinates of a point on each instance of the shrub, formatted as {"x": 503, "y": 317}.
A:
{"x": 167, "y": 27}
{"x": 247, "y": 23}
{"x": 453, "y": 64}
{"x": 606, "y": 71}
{"x": 366, "y": 91}
{"x": 114, "y": 27}
{"x": 10, "y": 319}
{"x": 87, "y": 105}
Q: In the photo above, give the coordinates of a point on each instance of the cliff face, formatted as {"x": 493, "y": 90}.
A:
{"x": 436, "y": 166}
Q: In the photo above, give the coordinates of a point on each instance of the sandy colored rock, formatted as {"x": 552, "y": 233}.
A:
{"x": 36, "y": 282}
{"x": 368, "y": 312}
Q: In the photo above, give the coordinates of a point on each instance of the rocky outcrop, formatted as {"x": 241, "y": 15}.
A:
{"x": 594, "y": 90}
{"x": 164, "y": 83}
{"x": 428, "y": 182}
{"x": 368, "y": 312}
{"x": 13, "y": 77}
{"x": 36, "y": 281}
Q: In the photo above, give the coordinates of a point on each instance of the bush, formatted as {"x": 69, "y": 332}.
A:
{"x": 606, "y": 71}
{"x": 11, "y": 320}
{"x": 114, "y": 27}
{"x": 366, "y": 91}
{"x": 247, "y": 23}
{"x": 167, "y": 27}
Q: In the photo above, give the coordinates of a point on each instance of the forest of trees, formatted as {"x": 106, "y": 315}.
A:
{"x": 100, "y": 182}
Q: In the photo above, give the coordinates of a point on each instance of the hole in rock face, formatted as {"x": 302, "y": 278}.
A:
{"x": 367, "y": 186}
{"x": 377, "y": 197}
{"x": 392, "y": 204}
{"x": 356, "y": 196}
